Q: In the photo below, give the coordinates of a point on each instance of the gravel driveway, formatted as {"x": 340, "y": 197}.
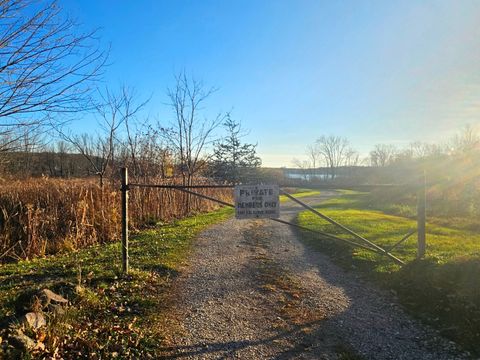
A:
{"x": 253, "y": 291}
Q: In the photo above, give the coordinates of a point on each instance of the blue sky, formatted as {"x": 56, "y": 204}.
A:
{"x": 291, "y": 71}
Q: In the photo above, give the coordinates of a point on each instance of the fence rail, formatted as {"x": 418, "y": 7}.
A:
{"x": 361, "y": 241}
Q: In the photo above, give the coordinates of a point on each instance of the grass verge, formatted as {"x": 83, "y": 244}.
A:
{"x": 110, "y": 314}
{"x": 442, "y": 289}
{"x": 299, "y": 193}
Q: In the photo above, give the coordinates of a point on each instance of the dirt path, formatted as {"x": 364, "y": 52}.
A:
{"x": 253, "y": 291}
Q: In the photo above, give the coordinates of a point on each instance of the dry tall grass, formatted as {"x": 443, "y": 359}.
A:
{"x": 44, "y": 216}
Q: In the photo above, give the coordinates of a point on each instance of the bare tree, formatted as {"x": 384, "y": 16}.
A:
{"x": 25, "y": 142}
{"x": 129, "y": 108}
{"x": 190, "y": 132}
{"x": 114, "y": 111}
{"x": 30, "y": 142}
{"x": 144, "y": 151}
{"x": 154, "y": 158}
{"x": 383, "y": 155}
{"x": 467, "y": 140}
{"x": 46, "y": 65}
{"x": 95, "y": 150}
{"x": 352, "y": 157}
{"x": 62, "y": 149}
{"x": 57, "y": 159}
{"x": 304, "y": 166}
{"x": 334, "y": 150}
{"x": 314, "y": 157}
{"x": 422, "y": 150}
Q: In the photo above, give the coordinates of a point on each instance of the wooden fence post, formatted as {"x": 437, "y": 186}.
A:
{"x": 421, "y": 216}
{"x": 124, "y": 220}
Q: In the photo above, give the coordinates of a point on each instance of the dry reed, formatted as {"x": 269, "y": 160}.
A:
{"x": 45, "y": 216}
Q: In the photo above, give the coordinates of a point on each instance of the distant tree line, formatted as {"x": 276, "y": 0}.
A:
{"x": 332, "y": 152}
{"x": 386, "y": 162}
{"x": 451, "y": 169}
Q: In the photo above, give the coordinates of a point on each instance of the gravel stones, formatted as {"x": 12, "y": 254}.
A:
{"x": 253, "y": 291}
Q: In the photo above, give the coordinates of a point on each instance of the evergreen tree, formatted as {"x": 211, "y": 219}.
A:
{"x": 234, "y": 161}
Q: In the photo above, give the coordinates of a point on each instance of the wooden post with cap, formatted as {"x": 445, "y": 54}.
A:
{"x": 124, "y": 190}
{"x": 421, "y": 216}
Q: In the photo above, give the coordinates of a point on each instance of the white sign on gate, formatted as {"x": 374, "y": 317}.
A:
{"x": 257, "y": 201}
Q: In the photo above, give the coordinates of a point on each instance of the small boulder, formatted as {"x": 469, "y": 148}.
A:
{"x": 33, "y": 320}
{"x": 22, "y": 341}
{"x": 49, "y": 297}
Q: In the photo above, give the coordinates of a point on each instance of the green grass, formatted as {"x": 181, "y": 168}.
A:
{"x": 300, "y": 193}
{"x": 442, "y": 289}
{"x": 110, "y": 312}
{"x": 401, "y": 201}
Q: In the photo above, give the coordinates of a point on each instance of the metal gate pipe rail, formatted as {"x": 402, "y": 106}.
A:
{"x": 351, "y": 232}
{"x": 283, "y": 221}
{"x": 177, "y": 187}
{"x": 368, "y": 245}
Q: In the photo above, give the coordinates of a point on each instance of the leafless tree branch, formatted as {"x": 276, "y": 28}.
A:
{"x": 46, "y": 66}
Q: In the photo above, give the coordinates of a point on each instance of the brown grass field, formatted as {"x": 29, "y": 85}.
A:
{"x": 43, "y": 216}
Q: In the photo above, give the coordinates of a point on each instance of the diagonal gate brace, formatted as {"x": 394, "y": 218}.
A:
{"x": 379, "y": 249}
{"x": 402, "y": 240}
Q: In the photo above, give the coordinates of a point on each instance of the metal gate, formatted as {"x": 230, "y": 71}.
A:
{"x": 362, "y": 242}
